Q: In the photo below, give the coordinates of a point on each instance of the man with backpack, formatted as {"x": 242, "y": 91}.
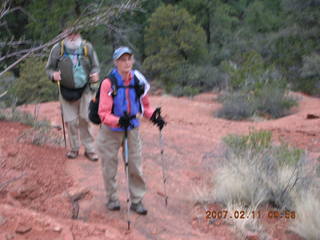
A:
{"x": 73, "y": 64}
{"x": 123, "y": 95}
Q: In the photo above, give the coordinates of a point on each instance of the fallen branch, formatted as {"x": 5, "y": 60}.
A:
{"x": 6, "y": 183}
{"x": 75, "y": 204}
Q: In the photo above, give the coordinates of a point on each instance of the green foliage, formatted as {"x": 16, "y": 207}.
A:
{"x": 261, "y": 17}
{"x": 236, "y": 106}
{"x": 185, "y": 35}
{"x": 173, "y": 41}
{"x": 255, "y": 89}
{"x": 51, "y": 16}
{"x": 289, "y": 155}
{"x": 256, "y": 141}
{"x": 33, "y": 84}
{"x": 310, "y": 74}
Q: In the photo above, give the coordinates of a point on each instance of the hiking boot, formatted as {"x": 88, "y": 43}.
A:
{"x": 91, "y": 156}
{"x": 139, "y": 208}
{"x": 72, "y": 154}
{"x": 113, "y": 205}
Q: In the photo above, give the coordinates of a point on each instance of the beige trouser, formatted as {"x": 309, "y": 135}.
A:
{"x": 76, "y": 118}
{"x": 108, "y": 145}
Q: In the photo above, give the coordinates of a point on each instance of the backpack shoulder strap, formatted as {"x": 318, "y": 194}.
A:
{"x": 85, "y": 48}
{"x": 61, "y": 48}
{"x": 114, "y": 84}
{"x": 139, "y": 86}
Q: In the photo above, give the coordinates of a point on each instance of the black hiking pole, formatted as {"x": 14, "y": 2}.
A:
{"x": 62, "y": 118}
{"x": 126, "y": 162}
{"x": 164, "y": 178}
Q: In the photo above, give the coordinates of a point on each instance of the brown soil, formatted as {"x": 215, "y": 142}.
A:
{"x": 37, "y": 183}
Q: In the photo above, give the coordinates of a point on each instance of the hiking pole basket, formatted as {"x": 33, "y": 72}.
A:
{"x": 126, "y": 165}
{"x": 62, "y": 118}
{"x": 164, "y": 177}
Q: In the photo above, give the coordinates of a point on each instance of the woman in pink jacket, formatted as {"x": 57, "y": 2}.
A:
{"x": 123, "y": 96}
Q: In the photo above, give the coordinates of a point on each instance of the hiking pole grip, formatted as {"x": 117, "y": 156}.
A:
{"x": 62, "y": 118}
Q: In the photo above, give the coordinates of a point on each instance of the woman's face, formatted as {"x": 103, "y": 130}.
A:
{"x": 124, "y": 63}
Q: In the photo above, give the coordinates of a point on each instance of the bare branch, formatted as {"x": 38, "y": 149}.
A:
{"x": 2, "y": 94}
{"x": 18, "y": 53}
{"x": 4, "y": 8}
{"x": 15, "y": 43}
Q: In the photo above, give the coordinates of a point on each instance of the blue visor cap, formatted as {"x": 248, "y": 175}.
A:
{"x": 120, "y": 51}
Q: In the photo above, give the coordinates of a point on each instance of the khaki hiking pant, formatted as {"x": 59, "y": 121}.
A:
{"x": 76, "y": 118}
{"x": 108, "y": 145}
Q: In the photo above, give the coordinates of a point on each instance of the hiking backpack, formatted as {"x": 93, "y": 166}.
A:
{"x": 94, "y": 103}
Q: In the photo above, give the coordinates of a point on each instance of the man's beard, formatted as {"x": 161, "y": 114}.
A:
{"x": 73, "y": 44}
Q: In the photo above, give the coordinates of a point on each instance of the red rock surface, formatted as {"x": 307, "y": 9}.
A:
{"x": 37, "y": 204}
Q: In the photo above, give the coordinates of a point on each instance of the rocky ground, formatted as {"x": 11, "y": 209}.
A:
{"x": 43, "y": 195}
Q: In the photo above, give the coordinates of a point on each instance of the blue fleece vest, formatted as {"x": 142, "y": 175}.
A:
{"x": 120, "y": 103}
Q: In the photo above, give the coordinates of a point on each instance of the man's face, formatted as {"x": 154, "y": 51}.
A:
{"x": 124, "y": 63}
{"x": 73, "y": 36}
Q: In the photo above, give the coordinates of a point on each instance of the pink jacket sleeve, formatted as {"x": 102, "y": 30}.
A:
{"x": 105, "y": 105}
{"x": 148, "y": 110}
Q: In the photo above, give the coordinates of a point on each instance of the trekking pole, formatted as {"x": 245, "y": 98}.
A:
{"x": 127, "y": 173}
{"x": 164, "y": 178}
{"x": 62, "y": 118}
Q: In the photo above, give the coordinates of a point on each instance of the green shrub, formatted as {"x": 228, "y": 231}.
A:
{"x": 33, "y": 84}
{"x": 273, "y": 101}
{"x": 256, "y": 141}
{"x": 254, "y": 89}
{"x": 180, "y": 91}
{"x": 289, "y": 155}
{"x": 236, "y": 106}
{"x": 310, "y": 74}
{"x": 175, "y": 46}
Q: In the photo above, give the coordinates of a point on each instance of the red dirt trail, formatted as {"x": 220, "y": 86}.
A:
{"x": 38, "y": 206}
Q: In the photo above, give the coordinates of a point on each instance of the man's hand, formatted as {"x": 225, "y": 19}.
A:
{"x": 56, "y": 76}
{"x": 94, "y": 77}
{"x": 157, "y": 119}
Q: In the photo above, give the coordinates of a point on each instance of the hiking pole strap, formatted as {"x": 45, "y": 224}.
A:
{"x": 62, "y": 118}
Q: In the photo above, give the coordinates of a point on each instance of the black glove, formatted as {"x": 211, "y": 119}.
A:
{"x": 124, "y": 121}
{"x": 157, "y": 119}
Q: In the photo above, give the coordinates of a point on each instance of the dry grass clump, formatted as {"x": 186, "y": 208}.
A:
{"x": 41, "y": 135}
{"x": 41, "y": 132}
{"x": 14, "y": 115}
{"x": 254, "y": 173}
{"x": 307, "y": 222}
